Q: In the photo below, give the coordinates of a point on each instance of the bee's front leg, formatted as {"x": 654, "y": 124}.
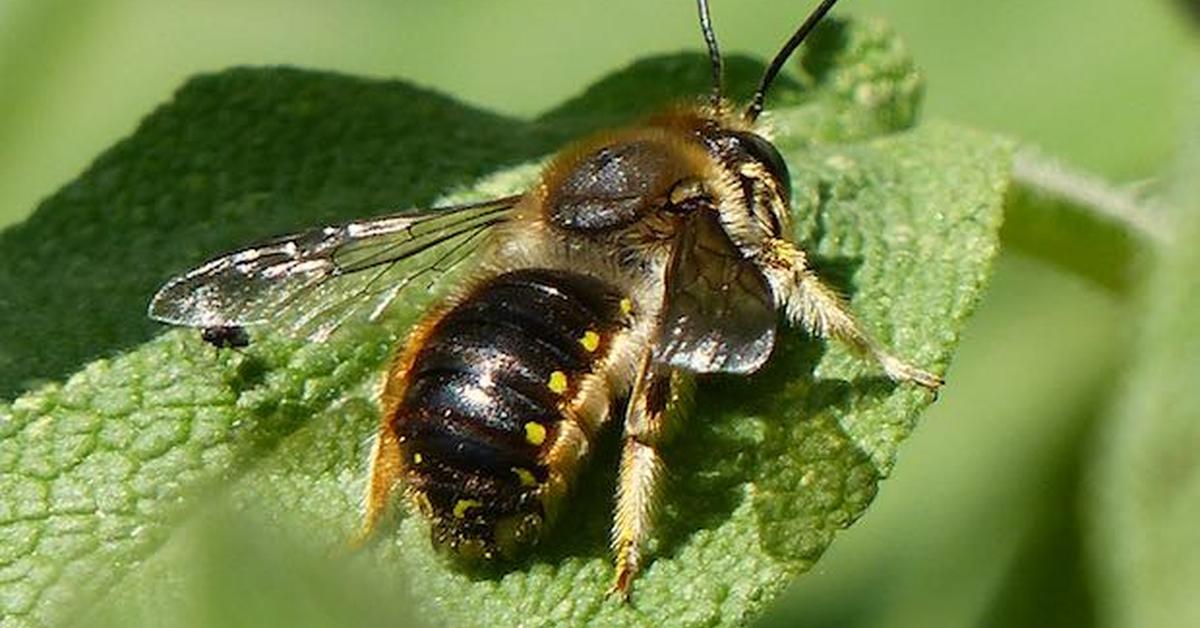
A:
{"x": 657, "y": 398}
{"x": 817, "y": 308}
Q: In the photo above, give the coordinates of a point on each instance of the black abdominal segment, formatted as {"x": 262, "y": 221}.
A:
{"x": 483, "y": 398}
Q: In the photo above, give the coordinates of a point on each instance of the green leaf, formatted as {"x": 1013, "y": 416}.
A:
{"x": 1147, "y": 480}
{"x": 1073, "y": 218}
{"x": 110, "y": 478}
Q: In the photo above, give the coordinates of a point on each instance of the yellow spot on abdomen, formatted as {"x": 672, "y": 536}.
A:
{"x": 462, "y": 506}
{"x": 417, "y": 458}
{"x": 557, "y": 382}
{"x": 524, "y": 475}
{"x": 590, "y": 341}
{"x": 535, "y": 433}
{"x": 626, "y": 306}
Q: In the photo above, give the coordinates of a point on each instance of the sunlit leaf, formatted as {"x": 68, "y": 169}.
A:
{"x": 110, "y": 476}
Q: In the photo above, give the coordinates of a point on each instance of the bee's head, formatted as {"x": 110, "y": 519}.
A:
{"x": 748, "y": 158}
{"x": 759, "y": 173}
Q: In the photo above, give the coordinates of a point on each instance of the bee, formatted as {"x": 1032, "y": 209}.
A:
{"x": 641, "y": 257}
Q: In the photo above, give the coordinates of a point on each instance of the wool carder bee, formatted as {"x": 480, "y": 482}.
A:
{"x": 642, "y": 256}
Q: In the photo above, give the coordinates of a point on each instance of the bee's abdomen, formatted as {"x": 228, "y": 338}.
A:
{"x": 484, "y": 400}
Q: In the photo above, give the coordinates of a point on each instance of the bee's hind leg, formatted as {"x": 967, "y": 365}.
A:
{"x": 386, "y": 470}
{"x": 657, "y": 397}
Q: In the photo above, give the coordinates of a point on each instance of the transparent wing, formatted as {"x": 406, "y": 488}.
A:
{"x": 719, "y": 314}
{"x": 310, "y": 283}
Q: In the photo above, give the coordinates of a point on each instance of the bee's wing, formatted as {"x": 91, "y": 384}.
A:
{"x": 719, "y": 314}
{"x": 308, "y": 284}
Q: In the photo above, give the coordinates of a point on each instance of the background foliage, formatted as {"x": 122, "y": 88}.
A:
{"x": 986, "y": 518}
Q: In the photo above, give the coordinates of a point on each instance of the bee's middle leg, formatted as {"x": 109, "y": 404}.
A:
{"x": 657, "y": 397}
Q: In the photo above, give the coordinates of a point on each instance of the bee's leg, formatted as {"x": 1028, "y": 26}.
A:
{"x": 656, "y": 398}
{"x": 384, "y": 476}
{"x": 819, "y": 309}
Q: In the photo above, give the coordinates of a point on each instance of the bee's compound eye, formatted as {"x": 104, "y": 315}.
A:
{"x": 765, "y": 152}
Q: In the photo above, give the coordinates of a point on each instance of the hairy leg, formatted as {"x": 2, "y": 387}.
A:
{"x": 385, "y": 474}
{"x": 820, "y": 311}
{"x": 655, "y": 400}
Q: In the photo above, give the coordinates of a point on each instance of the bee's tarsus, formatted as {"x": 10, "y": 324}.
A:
{"x": 622, "y": 586}
{"x": 900, "y": 371}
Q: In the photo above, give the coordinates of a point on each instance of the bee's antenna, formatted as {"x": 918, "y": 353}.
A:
{"x": 756, "y": 105}
{"x": 714, "y": 54}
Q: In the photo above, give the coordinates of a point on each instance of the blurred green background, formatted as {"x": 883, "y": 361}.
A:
{"x": 1097, "y": 81}
{"x": 983, "y": 522}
